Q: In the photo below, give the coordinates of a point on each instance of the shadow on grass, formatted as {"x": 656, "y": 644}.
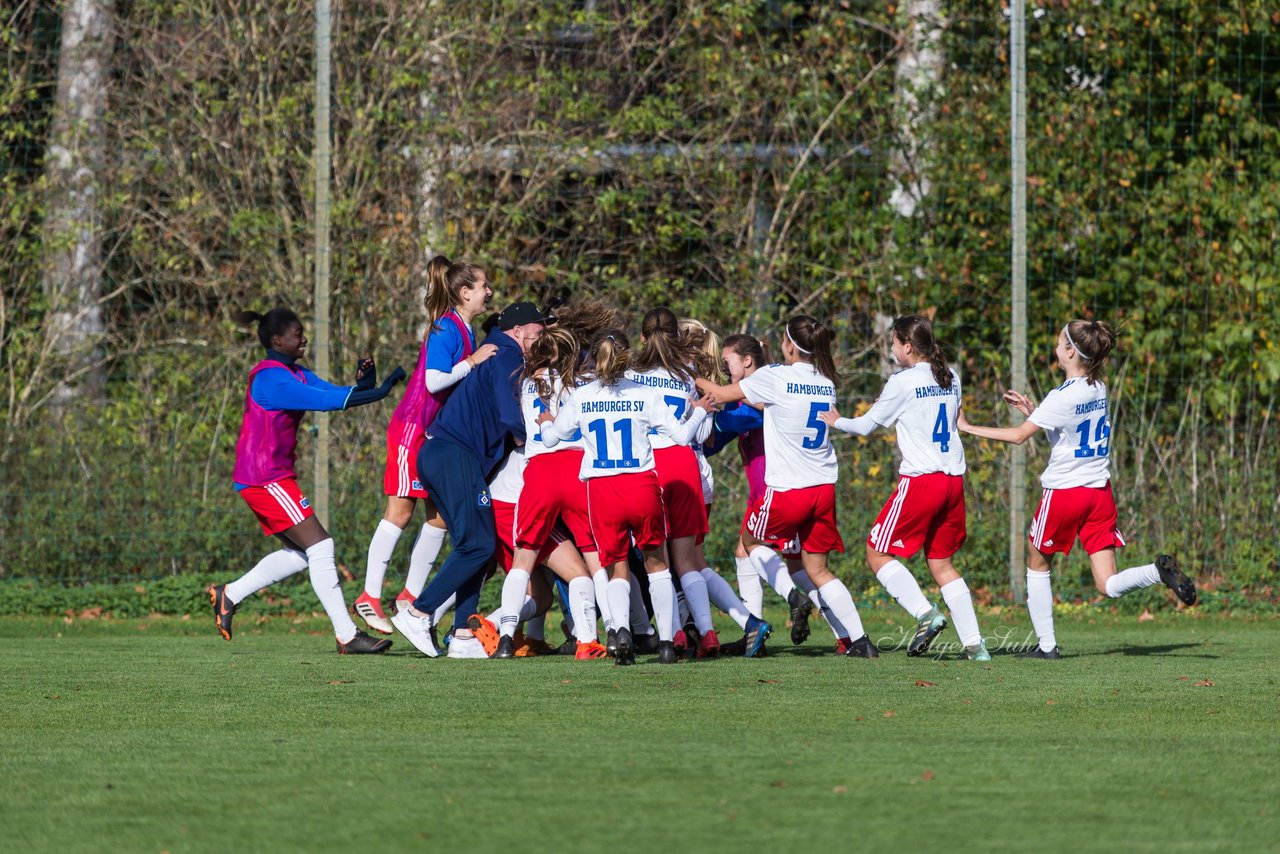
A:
{"x": 1157, "y": 649}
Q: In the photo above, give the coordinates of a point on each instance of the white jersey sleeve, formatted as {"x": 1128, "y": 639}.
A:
{"x": 676, "y": 394}
{"x": 925, "y": 416}
{"x": 798, "y": 451}
{"x": 1074, "y": 418}
{"x": 532, "y": 406}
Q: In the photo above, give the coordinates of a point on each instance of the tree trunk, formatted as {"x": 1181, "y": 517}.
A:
{"x": 75, "y": 166}
{"x": 919, "y": 71}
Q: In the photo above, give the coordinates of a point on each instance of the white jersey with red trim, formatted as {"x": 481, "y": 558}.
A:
{"x": 925, "y": 415}
{"x": 532, "y": 407}
{"x": 615, "y": 421}
{"x": 798, "y": 451}
{"x": 1074, "y": 417}
{"x": 508, "y": 480}
{"x": 677, "y": 394}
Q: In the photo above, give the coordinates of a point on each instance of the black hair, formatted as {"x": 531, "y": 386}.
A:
{"x": 275, "y": 322}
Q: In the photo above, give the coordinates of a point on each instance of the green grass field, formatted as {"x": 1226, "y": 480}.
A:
{"x": 158, "y": 736}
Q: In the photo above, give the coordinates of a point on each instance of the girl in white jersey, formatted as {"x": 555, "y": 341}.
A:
{"x": 1077, "y": 500}
{"x": 800, "y": 466}
{"x": 624, "y": 501}
{"x": 927, "y": 508}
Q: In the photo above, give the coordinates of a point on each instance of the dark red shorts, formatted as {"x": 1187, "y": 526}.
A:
{"x": 925, "y": 511}
{"x": 279, "y": 506}
{"x": 400, "y": 474}
{"x": 808, "y": 513}
{"x": 1086, "y": 512}
{"x": 681, "y": 482}
{"x": 624, "y": 507}
{"x": 552, "y": 490}
{"x": 504, "y": 517}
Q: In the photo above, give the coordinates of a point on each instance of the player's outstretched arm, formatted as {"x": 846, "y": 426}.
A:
{"x": 1013, "y": 435}
{"x": 863, "y": 425}
{"x": 720, "y": 394}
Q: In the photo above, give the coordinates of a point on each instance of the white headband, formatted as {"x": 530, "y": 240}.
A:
{"x": 787, "y": 329}
{"x": 1066, "y": 330}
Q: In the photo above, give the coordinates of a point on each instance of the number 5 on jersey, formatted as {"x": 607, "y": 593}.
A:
{"x": 816, "y": 423}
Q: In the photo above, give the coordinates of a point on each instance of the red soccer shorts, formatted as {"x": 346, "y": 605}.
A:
{"x": 504, "y": 517}
{"x": 279, "y": 506}
{"x": 552, "y": 490}
{"x": 927, "y": 511}
{"x": 622, "y": 507}
{"x": 808, "y": 513}
{"x": 1086, "y": 512}
{"x": 681, "y": 482}
{"x": 400, "y": 474}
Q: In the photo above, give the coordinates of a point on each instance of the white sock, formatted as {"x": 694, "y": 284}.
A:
{"x": 902, "y": 586}
{"x": 328, "y": 587}
{"x": 772, "y": 569}
{"x": 662, "y": 592}
{"x": 582, "y": 607}
{"x": 513, "y": 596}
{"x": 801, "y": 579}
{"x": 437, "y": 617}
{"x": 960, "y": 604}
{"x": 1134, "y": 578}
{"x": 426, "y": 548}
{"x": 601, "y": 581}
{"x": 638, "y": 616}
{"x": 721, "y": 594}
{"x": 840, "y": 601}
{"x": 535, "y": 627}
{"x": 276, "y": 566}
{"x": 699, "y": 599}
{"x": 381, "y": 547}
{"x": 749, "y": 586}
{"x": 619, "y": 596}
{"x": 1040, "y": 607}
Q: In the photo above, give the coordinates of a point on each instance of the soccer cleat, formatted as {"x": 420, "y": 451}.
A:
{"x": 737, "y": 648}
{"x": 667, "y": 653}
{"x": 1184, "y": 588}
{"x": 680, "y": 642}
{"x": 570, "y": 647}
{"x": 467, "y": 648}
{"x": 369, "y": 609}
{"x": 528, "y": 647}
{"x": 611, "y": 642}
{"x": 645, "y": 644}
{"x": 363, "y": 644}
{"x": 485, "y": 631}
{"x": 843, "y": 645}
{"x": 978, "y": 652}
{"x": 506, "y": 647}
{"x": 693, "y": 639}
{"x": 801, "y": 608}
{"x": 757, "y": 632}
{"x": 709, "y": 645}
{"x": 625, "y": 654}
{"x": 1037, "y": 652}
{"x": 418, "y": 630}
{"x": 928, "y": 627}
{"x": 863, "y": 648}
{"x": 404, "y": 599}
{"x": 589, "y": 650}
{"x": 223, "y": 609}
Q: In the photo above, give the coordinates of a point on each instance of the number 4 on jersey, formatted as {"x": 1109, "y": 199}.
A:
{"x": 942, "y": 429}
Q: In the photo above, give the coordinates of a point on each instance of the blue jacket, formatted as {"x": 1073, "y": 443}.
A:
{"x": 277, "y": 388}
{"x": 484, "y": 409}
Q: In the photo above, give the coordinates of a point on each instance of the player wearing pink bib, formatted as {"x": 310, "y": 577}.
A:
{"x": 1077, "y": 500}
{"x": 800, "y": 466}
{"x": 624, "y": 501}
{"x": 927, "y": 508}
{"x": 456, "y": 293}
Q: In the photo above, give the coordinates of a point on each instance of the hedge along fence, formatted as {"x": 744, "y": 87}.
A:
{"x": 737, "y": 164}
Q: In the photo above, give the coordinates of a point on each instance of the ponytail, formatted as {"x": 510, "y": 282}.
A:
{"x": 705, "y": 346}
{"x": 663, "y": 347}
{"x": 275, "y": 322}
{"x": 555, "y": 352}
{"x": 1093, "y": 341}
{"x": 813, "y": 341}
{"x": 612, "y": 355}
{"x": 445, "y": 281}
{"x": 918, "y": 332}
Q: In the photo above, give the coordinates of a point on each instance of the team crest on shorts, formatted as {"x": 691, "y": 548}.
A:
{"x": 304, "y": 503}
{"x": 417, "y": 484}
{"x": 483, "y": 500}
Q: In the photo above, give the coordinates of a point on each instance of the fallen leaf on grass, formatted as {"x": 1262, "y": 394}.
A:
{"x": 778, "y": 784}
{"x": 1205, "y": 683}
{"x": 921, "y": 683}
{"x": 927, "y": 775}
{"x": 53, "y": 696}
{"x": 91, "y": 613}
{"x": 768, "y": 681}
{"x": 339, "y": 682}
{"x": 1146, "y": 616}
{"x": 840, "y": 790}
{"x": 890, "y": 714}
{"x": 566, "y": 681}
{"x": 1184, "y": 678}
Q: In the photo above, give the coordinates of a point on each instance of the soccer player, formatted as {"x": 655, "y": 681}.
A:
{"x": 279, "y": 391}
{"x": 800, "y": 467}
{"x": 614, "y": 416}
{"x": 1077, "y": 502}
{"x": 456, "y": 293}
{"x": 926, "y": 510}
